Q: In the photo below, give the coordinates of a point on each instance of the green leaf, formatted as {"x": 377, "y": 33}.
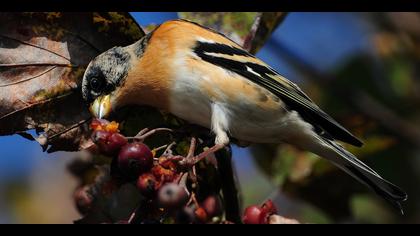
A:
{"x": 368, "y": 209}
{"x": 249, "y": 29}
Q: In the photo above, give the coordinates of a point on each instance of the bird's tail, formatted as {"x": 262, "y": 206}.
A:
{"x": 360, "y": 171}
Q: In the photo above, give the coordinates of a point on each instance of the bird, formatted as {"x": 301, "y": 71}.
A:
{"x": 205, "y": 78}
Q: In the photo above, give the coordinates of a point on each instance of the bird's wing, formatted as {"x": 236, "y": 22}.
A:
{"x": 238, "y": 60}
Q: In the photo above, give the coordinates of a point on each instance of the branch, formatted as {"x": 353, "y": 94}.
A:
{"x": 360, "y": 100}
{"x": 229, "y": 188}
{"x": 264, "y": 25}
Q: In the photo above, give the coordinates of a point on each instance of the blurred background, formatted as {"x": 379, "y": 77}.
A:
{"x": 361, "y": 68}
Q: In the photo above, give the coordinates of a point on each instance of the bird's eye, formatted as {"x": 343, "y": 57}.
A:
{"x": 97, "y": 84}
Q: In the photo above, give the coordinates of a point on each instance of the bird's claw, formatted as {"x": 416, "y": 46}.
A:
{"x": 192, "y": 160}
{"x": 189, "y": 161}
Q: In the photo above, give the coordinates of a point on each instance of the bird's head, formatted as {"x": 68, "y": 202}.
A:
{"x": 102, "y": 79}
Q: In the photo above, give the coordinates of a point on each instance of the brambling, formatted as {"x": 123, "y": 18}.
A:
{"x": 203, "y": 77}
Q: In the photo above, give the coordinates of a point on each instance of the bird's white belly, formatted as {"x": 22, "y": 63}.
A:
{"x": 246, "y": 120}
{"x": 244, "y": 123}
{"x": 190, "y": 104}
{"x": 252, "y": 124}
{"x": 195, "y": 95}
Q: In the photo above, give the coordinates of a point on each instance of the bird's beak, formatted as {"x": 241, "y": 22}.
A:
{"x": 101, "y": 107}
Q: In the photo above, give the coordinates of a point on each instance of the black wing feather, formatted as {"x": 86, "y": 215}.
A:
{"x": 290, "y": 94}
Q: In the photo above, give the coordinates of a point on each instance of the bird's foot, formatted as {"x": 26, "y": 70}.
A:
{"x": 191, "y": 160}
{"x": 188, "y": 162}
{"x": 222, "y": 139}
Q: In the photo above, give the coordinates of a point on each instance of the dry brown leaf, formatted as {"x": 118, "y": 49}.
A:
{"x": 42, "y": 60}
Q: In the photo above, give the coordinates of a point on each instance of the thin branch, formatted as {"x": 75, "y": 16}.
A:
{"x": 386, "y": 117}
{"x": 229, "y": 188}
{"x": 264, "y": 25}
{"x": 360, "y": 100}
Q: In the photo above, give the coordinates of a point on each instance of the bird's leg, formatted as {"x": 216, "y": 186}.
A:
{"x": 219, "y": 125}
{"x": 189, "y": 162}
{"x": 182, "y": 160}
{"x": 192, "y": 172}
{"x": 219, "y": 122}
{"x": 220, "y": 142}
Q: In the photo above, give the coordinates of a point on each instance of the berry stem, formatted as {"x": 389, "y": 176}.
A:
{"x": 168, "y": 150}
{"x": 133, "y": 215}
{"x": 193, "y": 200}
{"x": 154, "y": 150}
{"x": 144, "y": 133}
{"x": 192, "y": 147}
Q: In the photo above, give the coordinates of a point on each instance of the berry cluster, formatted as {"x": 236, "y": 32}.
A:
{"x": 174, "y": 188}
{"x": 259, "y": 214}
{"x": 161, "y": 180}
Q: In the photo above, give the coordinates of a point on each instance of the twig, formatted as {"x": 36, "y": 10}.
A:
{"x": 390, "y": 120}
{"x": 144, "y": 133}
{"x": 229, "y": 188}
{"x": 265, "y": 23}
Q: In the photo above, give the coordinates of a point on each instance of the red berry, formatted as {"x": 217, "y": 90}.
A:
{"x": 201, "y": 215}
{"x": 116, "y": 141}
{"x": 83, "y": 199}
{"x": 134, "y": 159}
{"x": 172, "y": 196}
{"x": 252, "y": 215}
{"x": 98, "y": 124}
{"x": 185, "y": 215}
{"x": 264, "y": 217}
{"x": 267, "y": 209}
{"x": 147, "y": 184}
{"x": 212, "y": 205}
{"x": 107, "y": 142}
{"x": 100, "y": 136}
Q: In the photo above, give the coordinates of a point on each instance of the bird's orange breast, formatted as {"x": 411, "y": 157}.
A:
{"x": 169, "y": 60}
{"x": 150, "y": 78}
